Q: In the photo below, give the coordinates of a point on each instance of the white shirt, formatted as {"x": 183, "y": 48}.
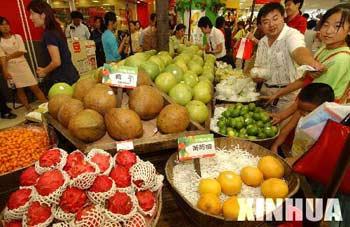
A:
{"x": 214, "y": 39}
{"x": 81, "y": 32}
{"x": 277, "y": 59}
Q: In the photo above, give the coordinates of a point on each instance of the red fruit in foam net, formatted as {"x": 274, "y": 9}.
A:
{"x": 121, "y": 176}
{"x": 72, "y": 200}
{"x": 136, "y": 221}
{"x": 101, "y": 184}
{"x": 19, "y": 198}
{"x": 120, "y": 203}
{"x": 102, "y": 160}
{"x": 82, "y": 213}
{"x": 15, "y": 223}
{"x": 49, "y": 182}
{"x": 146, "y": 199}
{"x": 74, "y": 159}
{"x": 28, "y": 177}
{"x": 125, "y": 158}
{"x": 38, "y": 213}
{"x": 79, "y": 169}
{"x": 50, "y": 158}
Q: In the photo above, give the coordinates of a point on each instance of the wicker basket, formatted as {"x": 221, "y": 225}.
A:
{"x": 203, "y": 219}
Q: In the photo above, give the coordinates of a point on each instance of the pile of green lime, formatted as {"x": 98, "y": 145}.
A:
{"x": 247, "y": 122}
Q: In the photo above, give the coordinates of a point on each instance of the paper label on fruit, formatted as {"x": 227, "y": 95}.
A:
{"x": 123, "y": 76}
{"x": 125, "y": 145}
{"x": 199, "y": 146}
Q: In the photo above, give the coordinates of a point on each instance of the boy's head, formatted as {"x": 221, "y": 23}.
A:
{"x": 313, "y": 95}
{"x": 205, "y": 25}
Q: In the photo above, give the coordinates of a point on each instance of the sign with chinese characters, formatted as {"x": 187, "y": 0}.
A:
{"x": 123, "y": 76}
{"x": 125, "y": 145}
{"x": 199, "y": 146}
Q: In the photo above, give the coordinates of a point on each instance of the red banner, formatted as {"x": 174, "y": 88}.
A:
{"x": 266, "y": 1}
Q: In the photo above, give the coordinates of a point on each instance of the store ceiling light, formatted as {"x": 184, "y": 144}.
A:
{"x": 96, "y": 1}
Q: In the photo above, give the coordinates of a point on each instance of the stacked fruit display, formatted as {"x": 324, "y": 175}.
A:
{"x": 21, "y": 147}
{"x": 225, "y": 71}
{"x": 89, "y": 109}
{"x": 244, "y": 121}
{"x": 267, "y": 175}
{"x": 75, "y": 190}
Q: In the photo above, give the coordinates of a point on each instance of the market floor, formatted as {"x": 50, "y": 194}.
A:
{"x": 20, "y": 112}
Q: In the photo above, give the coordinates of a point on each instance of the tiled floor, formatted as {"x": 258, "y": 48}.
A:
{"x": 20, "y": 112}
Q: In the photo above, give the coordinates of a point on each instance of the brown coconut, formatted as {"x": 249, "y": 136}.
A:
{"x": 143, "y": 78}
{"x": 82, "y": 87}
{"x": 146, "y": 101}
{"x": 69, "y": 109}
{"x": 100, "y": 98}
{"x": 173, "y": 118}
{"x": 56, "y": 103}
{"x": 87, "y": 126}
{"x": 123, "y": 124}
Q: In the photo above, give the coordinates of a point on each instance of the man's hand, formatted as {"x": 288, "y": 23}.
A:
{"x": 269, "y": 99}
{"x": 7, "y": 76}
{"x": 258, "y": 80}
{"x": 276, "y": 118}
{"x": 41, "y": 72}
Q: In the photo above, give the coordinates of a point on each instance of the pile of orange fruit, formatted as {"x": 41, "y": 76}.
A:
{"x": 21, "y": 147}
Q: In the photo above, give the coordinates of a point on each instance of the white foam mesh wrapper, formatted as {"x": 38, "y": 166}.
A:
{"x": 61, "y": 224}
{"x": 158, "y": 183}
{"x": 136, "y": 221}
{"x": 99, "y": 198}
{"x": 18, "y": 213}
{"x": 112, "y": 224}
{"x": 117, "y": 218}
{"x": 145, "y": 172}
{"x": 93, "y": 217}
{"x": 92, "y": 153}
{"x": 44, "y": 224}
{"x": 149, "y": 212}
{"x": 61, "y": 215}
{"x": 58, "y": 165}
{"x": 85, "y": 180}
{"x": 54, "y": 197}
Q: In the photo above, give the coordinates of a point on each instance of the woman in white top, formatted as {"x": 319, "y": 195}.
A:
{"x": 13, "y": 48}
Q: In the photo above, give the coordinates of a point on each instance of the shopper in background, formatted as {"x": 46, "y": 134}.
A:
{"x": 148, "y": 40}
{"x": 5, "y": 111}
{"x": 178, "y": 36}
{"x": 12, "y": 46}
{"x": 135, "y": 37}
{"x": 239, "y": 33}
{"x": 77, "y": 29}
{"x": 310, "y": 34}
{"x": 294, "y": 18}
{"x": 215, "y": 39}
{"x": 277, "y": 53}
{"x": 220, "y": 24}
{"x": 96, "y": 36}
{"x": 60, "y": 67}
{"x": 138, "y": 26}
{"x": 335, "y": 54}
{"x": 109, "y": 41}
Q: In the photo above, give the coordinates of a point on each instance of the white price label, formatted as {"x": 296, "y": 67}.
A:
{"x": 125, "y": 145}
{"x": 124, "y": 76}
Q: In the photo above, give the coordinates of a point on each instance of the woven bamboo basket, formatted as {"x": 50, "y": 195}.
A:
{"x": 201, "y": 218}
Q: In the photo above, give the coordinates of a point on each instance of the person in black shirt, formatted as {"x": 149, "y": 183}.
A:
{"x": 60, "y": 67}
{"x": 96, "y": 35}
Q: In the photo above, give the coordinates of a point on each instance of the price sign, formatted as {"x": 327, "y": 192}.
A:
{"x": 123, "y": 76}
{"x": 199, "y": 146}
{"x": 125, "y": 145}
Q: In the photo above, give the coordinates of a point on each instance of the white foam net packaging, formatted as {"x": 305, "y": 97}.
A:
{"x": 93, "y": 217}
{"x": 15, "y": 214}
{"x": 85, "y": 180}
{"x": 145, "y": 173}
{"x": 99, "y": 198}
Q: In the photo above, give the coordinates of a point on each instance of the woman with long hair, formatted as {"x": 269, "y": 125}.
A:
{"x": 60, "y": 67}
{"x": 13, "y": 48}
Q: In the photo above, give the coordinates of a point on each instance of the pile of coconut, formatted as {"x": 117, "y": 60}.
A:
{"x": 91, "y": 111}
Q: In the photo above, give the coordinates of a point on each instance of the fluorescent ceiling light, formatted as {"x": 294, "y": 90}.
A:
{"x": 95, "y": 1}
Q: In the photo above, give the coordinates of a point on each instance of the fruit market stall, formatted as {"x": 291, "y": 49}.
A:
{"x": 169, "y": 101}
